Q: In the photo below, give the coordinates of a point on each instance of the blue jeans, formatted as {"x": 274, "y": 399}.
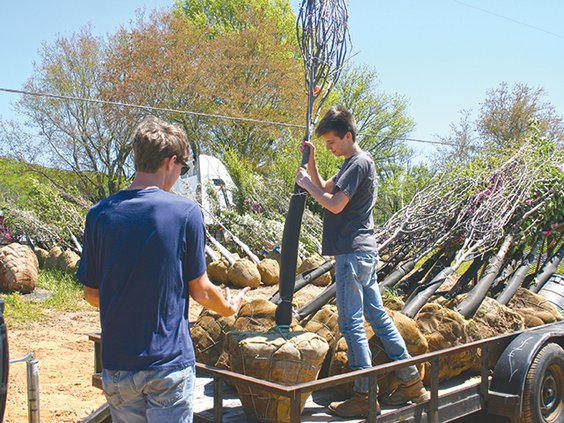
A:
{"x": 358, "y": 295}
{"x": 150, "y": 395}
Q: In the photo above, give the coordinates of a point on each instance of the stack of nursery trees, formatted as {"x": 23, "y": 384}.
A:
{"x": 462, "y": 261}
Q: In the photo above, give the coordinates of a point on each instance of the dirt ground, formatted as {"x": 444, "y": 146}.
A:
{"x": 66, "y": 362}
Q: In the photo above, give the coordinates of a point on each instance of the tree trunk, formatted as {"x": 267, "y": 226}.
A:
{"x": 549, "y": 268}
{"x": 422, "y": 293}
{"x": 474, "y": 299}
{"x": 516, "y": 280}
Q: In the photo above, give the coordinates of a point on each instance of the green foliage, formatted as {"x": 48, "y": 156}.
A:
{"x": 224, "y": 16}
{"x": 34, "y": 206}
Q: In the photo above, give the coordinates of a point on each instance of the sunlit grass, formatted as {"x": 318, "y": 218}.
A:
{"x": 64, "y": 294}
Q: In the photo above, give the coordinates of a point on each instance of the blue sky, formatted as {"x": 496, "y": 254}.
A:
{"x": 441, "y": 55}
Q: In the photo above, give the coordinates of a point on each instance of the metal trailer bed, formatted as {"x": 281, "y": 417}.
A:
{"x": 217, "y": 402}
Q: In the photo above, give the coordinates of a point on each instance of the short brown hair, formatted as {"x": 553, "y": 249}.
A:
{"x": 338, "y": 120}
{"x": 154, "y": 140}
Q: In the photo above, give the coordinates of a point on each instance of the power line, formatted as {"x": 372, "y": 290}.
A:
{"x": 188, "y": 112}
{"x": 509, "y": 19}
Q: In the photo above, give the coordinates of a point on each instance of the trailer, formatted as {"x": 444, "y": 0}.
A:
{"x": 526, "y": 385}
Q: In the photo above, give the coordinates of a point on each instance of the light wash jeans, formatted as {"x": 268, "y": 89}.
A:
{"x": 358, "y": 294}
{"x": 150, "y": 395}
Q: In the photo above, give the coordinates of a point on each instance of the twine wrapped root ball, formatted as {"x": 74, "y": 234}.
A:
{"x": 52, "y": 260}
{"x": 534, "y": 308}
{"x": 269, "y": 270}
{"x": 208, "y": 335}
{"x": 288, "y": 359}
{"x": 41, "y": 255}
{"x": 68, "y": 261}
{"x": 445, "y": 328}
{"x": 313, "y": 262}
{"x": 415, "y": 341}
{"x": 491, "y": 319}
{"x": 217, "y": 271}
{"x": 19, "y": 268}
{"x": 244, "y": 273}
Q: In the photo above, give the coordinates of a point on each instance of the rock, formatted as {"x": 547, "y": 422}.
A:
{"x": 293, "y": 358}
{"x": 19, "y": 268}
{"x": 41, "y": 255}
{"x": 269, "y": 270}
{"x": 217, "y": 271}
{"x": 68, "y": 261}
{"x": 208, "y": 335}
{"x": 313, "y": 262}
{"x": 52, "y": 260}
{"x": 244, "y": 273}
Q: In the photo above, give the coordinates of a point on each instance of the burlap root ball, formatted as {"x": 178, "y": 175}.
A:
{"x": 325, "y": 323}
{"x": 415, "y": 342}
{"x": 217, "y": 271}
{"x": 287, "y": 359}
{"x": 275, "y": 255}
{"x": 244, "y": 273}
{"x": 52, "y": 260}
{"x": 313, "y": 262}
{"x": 68, "y": 261}
{"x": 258, "y": 315}
{"x": 491, "y": 319}
{"x": 534, "y": 308}
{"x": 41, "y": 255}
{"x": 445, "y": 328}
{"x": 208, "y": 335}
{"x": 269, "y": 270}
{"x": 19, "y": 268}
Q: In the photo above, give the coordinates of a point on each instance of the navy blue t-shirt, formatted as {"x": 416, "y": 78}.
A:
{"x": 141, "y": 248}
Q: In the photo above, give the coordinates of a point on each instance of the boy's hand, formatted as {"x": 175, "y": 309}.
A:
{"x": 302, "y": 177}
{"x": 236, "y": 301}
{"x": 308, "y": 144}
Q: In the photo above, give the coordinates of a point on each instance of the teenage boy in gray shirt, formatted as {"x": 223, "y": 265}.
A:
{"x": 348, "y": 234}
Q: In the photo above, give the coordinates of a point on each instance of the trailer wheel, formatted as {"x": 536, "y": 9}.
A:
{"x": 543, "y": 397}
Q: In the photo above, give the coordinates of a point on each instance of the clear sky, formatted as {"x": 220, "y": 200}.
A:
{"x": 441, "y": 55}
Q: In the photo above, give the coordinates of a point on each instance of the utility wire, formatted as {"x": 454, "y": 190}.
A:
{"x": 509, "y": 19}
{"x": 188, "y": 112}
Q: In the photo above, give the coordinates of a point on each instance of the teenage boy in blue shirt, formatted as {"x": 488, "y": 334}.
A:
{"x": 143, "y": 254}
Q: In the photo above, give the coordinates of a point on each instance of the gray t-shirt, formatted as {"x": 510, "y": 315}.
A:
{"x": 352, "y": 230}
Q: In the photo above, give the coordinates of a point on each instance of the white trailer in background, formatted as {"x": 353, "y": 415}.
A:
{"x": 207, "y": 182}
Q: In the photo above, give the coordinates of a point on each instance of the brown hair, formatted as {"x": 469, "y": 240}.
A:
{"x": 154, "y": 140}
{"x": 338, "y": 120}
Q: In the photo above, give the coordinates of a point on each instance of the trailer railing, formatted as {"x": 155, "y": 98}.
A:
{"x": 294, "y": 392}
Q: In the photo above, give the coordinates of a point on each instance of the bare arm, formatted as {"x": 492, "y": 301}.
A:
{"x": 210, "y": 296}
{"x": 91, "y": 295}
{"x": 316, "y": 179}
{"x": 335, "y": 203}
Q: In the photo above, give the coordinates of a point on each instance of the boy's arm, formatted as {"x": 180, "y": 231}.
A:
{"x": 210, "y": 296}
{"x": 335, "y": 203}
{"x": 318, "y": 181}
{"x": 92, "y": 296}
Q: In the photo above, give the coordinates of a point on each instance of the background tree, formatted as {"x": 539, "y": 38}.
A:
{"x": 464, "y": 143}
{"x": 88, "y": 139}
{"x": 506, "y": 114}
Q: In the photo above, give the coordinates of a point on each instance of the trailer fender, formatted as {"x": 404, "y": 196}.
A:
{"x": 505, "y": 396}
